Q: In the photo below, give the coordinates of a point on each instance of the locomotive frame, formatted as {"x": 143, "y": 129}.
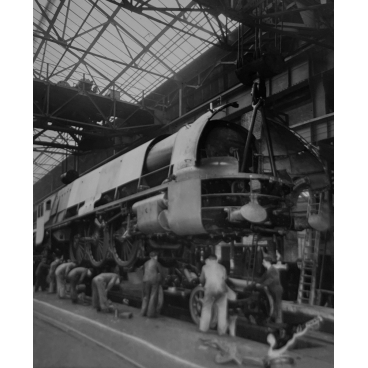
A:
{"x": 181, "y": 189}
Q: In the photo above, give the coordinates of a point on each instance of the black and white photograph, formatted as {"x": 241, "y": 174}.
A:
{"x": 183, "y": 185}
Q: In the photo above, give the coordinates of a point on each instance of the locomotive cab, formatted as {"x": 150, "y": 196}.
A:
{"x": 221, "y": 139}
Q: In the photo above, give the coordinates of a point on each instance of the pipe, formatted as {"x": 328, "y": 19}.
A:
{"x": 156, "y": 245}
{"x": 268, "y": 142}
{"x": 270, "y": 231}
{"x": 180, "y": 101}
{"x": 249, "y": 137}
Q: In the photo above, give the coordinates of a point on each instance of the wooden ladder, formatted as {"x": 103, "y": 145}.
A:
{"x": 308, "y": 275}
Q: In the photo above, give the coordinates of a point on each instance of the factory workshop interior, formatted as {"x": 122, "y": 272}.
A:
{"x": 184, "y": 139}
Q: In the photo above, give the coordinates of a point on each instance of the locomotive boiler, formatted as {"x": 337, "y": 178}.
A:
{"x": 194, "y": 187}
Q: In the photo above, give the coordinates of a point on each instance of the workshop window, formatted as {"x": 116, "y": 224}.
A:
{"x": 48, "y": 205}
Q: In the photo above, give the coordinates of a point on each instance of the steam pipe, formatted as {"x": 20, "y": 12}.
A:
{"x": 249, "y": 137}
{"x": 268, "y": 142}
{"x": 264, "y": 230}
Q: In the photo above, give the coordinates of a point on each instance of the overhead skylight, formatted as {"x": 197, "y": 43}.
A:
{"x": 115, "y": 48}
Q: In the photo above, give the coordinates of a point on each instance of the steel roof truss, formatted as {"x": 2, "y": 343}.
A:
{"x": 62, "y": 70}
{"x": 81, "y": 60}
{"x": 56, "y": 145}
{"x": 38, "y": 134}
{"x": 163, "y": 31}
{"x": 54, "y": 113}
{"x": 102, "y": 30}
{"x": 152, "y": 53}
{"x": 210, "y": 23}
{"x": 76, "y": 35}
{"x": 88, "y": 31}
{"x": 48, "y": 19}
{"x": 66, "y": 18}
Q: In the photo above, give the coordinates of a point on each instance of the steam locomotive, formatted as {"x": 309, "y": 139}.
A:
{"x": 194, "y": 187}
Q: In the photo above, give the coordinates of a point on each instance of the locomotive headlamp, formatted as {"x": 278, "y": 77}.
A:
{"x": 253, "y": 211}
{"x": 319, "y": 222}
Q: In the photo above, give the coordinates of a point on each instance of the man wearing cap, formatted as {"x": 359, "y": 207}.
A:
{"x": 271, "y": 280}
{"x": 213, "y": 277}
{"x": 101, "y": 284}
{"x": 152, "y": 274}
{"x": 60, "y": 274}
{"x": 76, "y": 277}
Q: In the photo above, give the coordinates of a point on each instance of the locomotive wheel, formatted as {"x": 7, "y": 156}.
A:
{"x": 195, "y": 306}
{"x": 264, "y": 308}
{"x": 97, "y": 251}
{"x": 124, "y": 249}
{"x": 77, "y": 252}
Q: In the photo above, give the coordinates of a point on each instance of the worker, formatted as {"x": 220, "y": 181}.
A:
{"x": 152, "y": 276}
{"x": 213, "y": 277}
{"x": 41, "y": 274}
{"x": 60, "y": 274}
{"x": 51, "y": 276}
{"x": 78, "y": 276}
{"x": 271, "y": 280}
{"x": 98, "y": 226}
{"x": 101, "y": 284}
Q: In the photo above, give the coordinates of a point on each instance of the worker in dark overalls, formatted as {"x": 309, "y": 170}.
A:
{"x": 213, "y": 277}
{"x": 271, "y": 280}
{"x": 99, "y": 225}
{"x": 60, "y": 274}
{"x": 101, "y": 284}
{"x": 51, "y": 276}
{"x": 76, "y": 277}
{"x": 152, "y": 275}
{"x": 41, "y": 275}
{"x": 98, "y": 228}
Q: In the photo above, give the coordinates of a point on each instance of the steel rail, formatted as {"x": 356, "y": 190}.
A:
{"x": 63, "y": 327}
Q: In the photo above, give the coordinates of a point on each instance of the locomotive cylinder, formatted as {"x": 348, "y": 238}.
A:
{"x": 160, "y": 154}
{"x": 148, "y": 211}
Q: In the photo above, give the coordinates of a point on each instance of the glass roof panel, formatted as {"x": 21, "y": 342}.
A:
{"x": 106, "y": 43}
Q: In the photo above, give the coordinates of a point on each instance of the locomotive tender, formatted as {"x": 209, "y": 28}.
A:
{"x": 185, "y": 188}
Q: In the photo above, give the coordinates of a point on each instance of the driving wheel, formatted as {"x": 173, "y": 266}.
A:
{"x": 77, "y": 251}
{"x": 124, "y": 247}
{"x": 97, "y": 247}
{"x": 195, "y": 306}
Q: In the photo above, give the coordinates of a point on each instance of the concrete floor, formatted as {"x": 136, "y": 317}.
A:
{"x": 53, "y": 347}
{"x": 76, "y": 334}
